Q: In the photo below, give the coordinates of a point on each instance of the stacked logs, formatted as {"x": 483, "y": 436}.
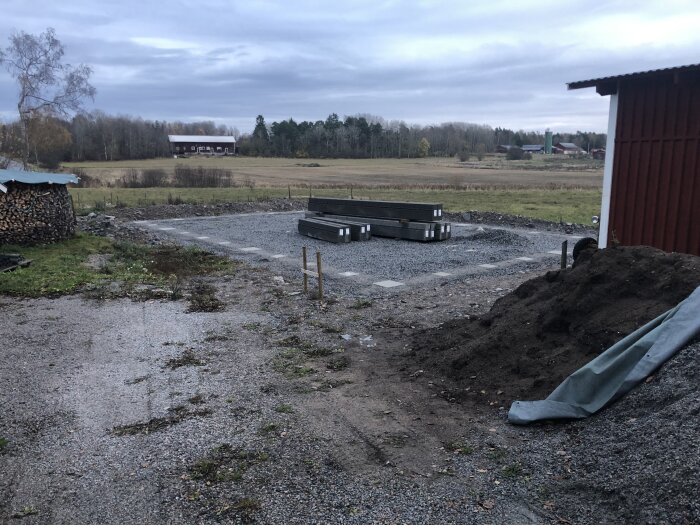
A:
{"x": 35, "y": 213}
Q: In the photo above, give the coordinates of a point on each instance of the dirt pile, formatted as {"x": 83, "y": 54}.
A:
{"x": 551, "y": 325}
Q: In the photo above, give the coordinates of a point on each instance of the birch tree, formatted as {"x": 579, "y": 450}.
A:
{"x": 47, "y": 86}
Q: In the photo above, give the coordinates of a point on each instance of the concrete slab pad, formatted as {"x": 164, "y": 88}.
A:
{"x": 388, "y": 284}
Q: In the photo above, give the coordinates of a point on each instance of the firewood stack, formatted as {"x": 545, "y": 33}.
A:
{"x": 35, "y": 213}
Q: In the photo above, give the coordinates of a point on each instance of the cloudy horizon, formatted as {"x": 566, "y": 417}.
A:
{"x": 500, "y": 63}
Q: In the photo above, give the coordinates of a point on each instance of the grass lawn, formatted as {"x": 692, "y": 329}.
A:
{"x": 61, "y": 268}
{"x": 569, "y": 205}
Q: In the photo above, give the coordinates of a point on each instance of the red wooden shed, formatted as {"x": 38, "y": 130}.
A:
{"x": 651, "y": 182}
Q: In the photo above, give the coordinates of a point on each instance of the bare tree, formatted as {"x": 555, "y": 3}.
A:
{"x": 46, "y": 86}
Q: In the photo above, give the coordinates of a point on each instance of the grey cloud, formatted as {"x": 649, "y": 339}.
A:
{"x": 306, "y": 60}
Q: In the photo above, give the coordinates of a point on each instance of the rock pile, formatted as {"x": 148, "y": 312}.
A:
{"x": 35, "y": 213}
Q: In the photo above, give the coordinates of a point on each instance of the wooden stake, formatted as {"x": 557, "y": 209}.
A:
{"x": 320, "y": 276}
{"x": 289, "y": 192}
{"x": 564, "y": 249}
{"x": 306, "y": 277}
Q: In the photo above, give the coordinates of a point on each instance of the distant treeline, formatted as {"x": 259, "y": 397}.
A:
{"x": 366, "y": 136}
{"x": 98, "y": 136}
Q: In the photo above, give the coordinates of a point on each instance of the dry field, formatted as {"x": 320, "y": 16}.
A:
{"x": 549, "y": 188}
{"x": 493, "y": 172}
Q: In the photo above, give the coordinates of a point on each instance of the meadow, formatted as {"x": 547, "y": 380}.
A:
{"x": 550, "y": 188}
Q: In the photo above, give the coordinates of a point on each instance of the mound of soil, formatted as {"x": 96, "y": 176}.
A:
{"x": 551, "y": 325}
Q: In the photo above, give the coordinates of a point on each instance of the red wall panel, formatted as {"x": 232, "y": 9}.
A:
{"x": 655, "y": 198}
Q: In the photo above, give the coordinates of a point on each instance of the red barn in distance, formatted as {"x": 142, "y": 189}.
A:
{"x": 651, "y": 182}
{"x": 181, "y": 145}
{"x": 567, "y": 148}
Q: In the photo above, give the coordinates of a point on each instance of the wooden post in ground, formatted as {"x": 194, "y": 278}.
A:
{"x": 564, "y": 249}
{"x": 306, "y": 277}
{"x": 289, "y": 192}
{"x": 320, "y": 276}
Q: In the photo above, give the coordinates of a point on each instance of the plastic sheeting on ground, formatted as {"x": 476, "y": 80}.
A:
{"x": 617, "y": 370}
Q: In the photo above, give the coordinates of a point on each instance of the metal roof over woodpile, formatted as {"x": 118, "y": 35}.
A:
{"x": 222, "y": 139}
{"x": 32, "y": 177}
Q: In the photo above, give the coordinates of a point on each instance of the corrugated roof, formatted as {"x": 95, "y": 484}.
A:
{"x": 595, "y": 81}
{"x": 202, "y": 138}
{"x": 568, "y": 145}
{"x": 32, "y": 177}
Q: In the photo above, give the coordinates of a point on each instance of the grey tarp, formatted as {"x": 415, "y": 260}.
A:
{"x": 617, "y": 370}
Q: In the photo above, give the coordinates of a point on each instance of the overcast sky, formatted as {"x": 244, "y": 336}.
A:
{"x": 498, "y": 62}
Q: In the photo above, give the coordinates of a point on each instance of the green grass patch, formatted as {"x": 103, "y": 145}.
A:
{"x": 187, "y": 358}
{"x": 27, "y": 510}
{"x": 61, "y": 268}
{"x": 361, "y": 303}
{"x": 284, "y": 409}
{"x": 225, "y": 463}
{"x": 460, "y": 448}
{"x": 340, "y": 362}
{"x": 203, "y": 298}
{"x": 568, "y": 204}
{"x": 290, "y": 363}
{"x": 268, "y": 429}
{"x": 512, "y": 471}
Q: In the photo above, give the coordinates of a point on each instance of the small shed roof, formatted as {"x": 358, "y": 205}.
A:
{"x": 608, "y": 85}
{"x": 32, "y": 177}
{"x": 221, "y": 139}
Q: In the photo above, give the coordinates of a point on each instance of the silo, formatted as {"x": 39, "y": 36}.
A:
{"x": 548, "y": 142}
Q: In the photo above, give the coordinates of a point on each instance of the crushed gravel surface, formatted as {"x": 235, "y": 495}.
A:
{"x": 262, "y": 422}
{"x": 275, "y": 234}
